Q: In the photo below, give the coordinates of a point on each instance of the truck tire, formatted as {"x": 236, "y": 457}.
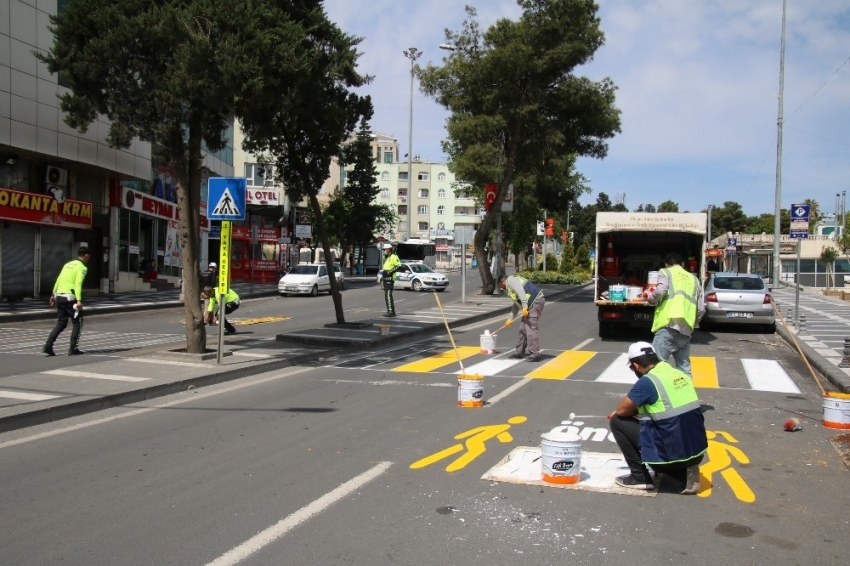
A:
{"x": 605, "y": 330}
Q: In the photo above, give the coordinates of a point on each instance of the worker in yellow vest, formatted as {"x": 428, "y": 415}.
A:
{"x": 679, "y": 305}
{"x": 67, "y": 297}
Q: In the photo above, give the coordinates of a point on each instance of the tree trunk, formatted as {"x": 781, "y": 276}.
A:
{"x": 329, "y": 262}
{"x": 188, "y": 203}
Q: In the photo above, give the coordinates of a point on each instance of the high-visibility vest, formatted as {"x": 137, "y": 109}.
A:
{"x": 673, "y": 428}
{"x": 680, "y": 301}
{"x": 531, "y": 291}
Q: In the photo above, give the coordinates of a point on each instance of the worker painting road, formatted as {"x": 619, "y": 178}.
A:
{"x": 475, "y": 444}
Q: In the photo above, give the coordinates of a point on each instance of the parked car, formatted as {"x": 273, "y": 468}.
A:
{"x": 308, "y": 279}
{"x": 738, "y": 298}
{"x": 419, "y": 277}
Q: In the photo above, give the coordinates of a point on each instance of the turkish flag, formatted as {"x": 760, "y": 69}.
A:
{"x": 491, "y": 190}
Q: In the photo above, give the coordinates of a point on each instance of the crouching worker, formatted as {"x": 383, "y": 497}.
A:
{"x": 659, "y": 424}
{"x": 231, "y": 303}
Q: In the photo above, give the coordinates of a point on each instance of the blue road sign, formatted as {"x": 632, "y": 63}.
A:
{"x": 799, "y": 221}
{"x": 226, "y": 199}
{"x": 800, "y": 212}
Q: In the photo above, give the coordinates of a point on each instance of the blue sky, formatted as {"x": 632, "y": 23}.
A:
{"x": 698, "y": 88}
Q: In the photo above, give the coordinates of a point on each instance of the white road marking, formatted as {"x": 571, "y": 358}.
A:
{"x": 768, "y": 375}
{"x": 618, "y": 372}
{"x": 392, "y": 382}
{"x": 165, "y": 405}
{"x": 499, "y": 396}
{"x": 165, "y": 362}
{"x": 492, "y": 367}
{"x": 285, "y": 525}
{"x": 90, "y": 375}
{"x": 27, "y": 396}
{"x": 250, "y": 355}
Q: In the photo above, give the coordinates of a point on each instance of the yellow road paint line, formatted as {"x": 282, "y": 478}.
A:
{"x": 443, "y": 359}
{"x": 249, "y": 321}
{"x": 563, "y": 366}
{"x": 704, "y": 370}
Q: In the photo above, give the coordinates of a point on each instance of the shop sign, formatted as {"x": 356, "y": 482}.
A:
{"x": 156, "y": 207}
{"x": 264, "y": 233}
{"x": 35, "y": 208}
{"x": 303, "y": 231}
{"x": 262, "y": 196}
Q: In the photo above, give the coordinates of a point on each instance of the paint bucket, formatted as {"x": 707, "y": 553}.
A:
{"x": 634, "y": 292}
{"x": 836, "y": 410}
{"x": 470, "y": 390}
{"x": 384, "y": 329}
{"x": 617, "y": 292}
{"x": 488, "y": 343}
{"x": 652, "y": 277}
{"x": 560, "y": 453}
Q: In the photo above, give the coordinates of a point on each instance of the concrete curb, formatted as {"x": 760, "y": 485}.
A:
{"x": 827, "y": 369}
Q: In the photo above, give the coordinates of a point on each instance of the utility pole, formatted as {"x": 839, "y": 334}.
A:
{"x": 778, "y": 207}
{"x": 413, "y": 54}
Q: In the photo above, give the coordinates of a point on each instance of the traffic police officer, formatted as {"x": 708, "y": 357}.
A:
{"x": 391, "y": 265}
{"x": 528, "y": 297}
{"x": 67, "y": 297}
{"x": 231, "y": 303}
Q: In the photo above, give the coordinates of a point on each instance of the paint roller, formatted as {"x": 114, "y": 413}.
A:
{"x": 517, "y": 316}
{"x": 449, "y": 330}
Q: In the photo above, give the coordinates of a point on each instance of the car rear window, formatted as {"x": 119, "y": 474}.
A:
{"x": 303, "y": 270}
{"x": 739, "y": 283}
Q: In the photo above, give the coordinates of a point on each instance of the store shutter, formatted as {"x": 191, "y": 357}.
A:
{"x": 56, "y": 251}
{"x": 18, "y": 264}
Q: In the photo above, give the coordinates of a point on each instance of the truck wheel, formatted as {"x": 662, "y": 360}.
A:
{"x": 605, "y": 330}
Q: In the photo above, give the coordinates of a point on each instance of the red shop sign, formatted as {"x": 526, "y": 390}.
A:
{"x": 46, "y": 210}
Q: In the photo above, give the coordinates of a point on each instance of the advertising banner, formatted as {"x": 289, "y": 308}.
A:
{"x": 34, "y": 208}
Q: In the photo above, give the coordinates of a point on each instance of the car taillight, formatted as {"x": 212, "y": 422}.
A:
{"x": 711, "y": 298}
{"x": 766, "y": 300}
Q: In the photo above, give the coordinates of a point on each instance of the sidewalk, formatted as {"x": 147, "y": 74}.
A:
{"x": 54, "y": 394}
{"x": 827, "y": 324}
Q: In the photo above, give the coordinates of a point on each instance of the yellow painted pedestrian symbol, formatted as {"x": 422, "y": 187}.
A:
{"x": 720, "y": 457}
{"x": 475, "y": 444}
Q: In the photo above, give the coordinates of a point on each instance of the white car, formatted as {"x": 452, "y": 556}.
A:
{"x": 420, "y": 277}
{"x": 308, "y": 279}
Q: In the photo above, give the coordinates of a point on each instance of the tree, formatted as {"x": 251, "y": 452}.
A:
{"x": 583, "y": 254}
{"x": 174, "y": 73}
{"x": 309, "y": 118}
{"x": 517, "y": 108}
{"x": 568, "y": 258}
{"x": 603, "y": 203}
{"x": 668, "y": 206}
{"x": 814, "y": 213}
{"x": 828, "y": 255}
{"x": 728, "y": 218}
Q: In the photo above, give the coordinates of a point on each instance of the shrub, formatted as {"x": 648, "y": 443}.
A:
{"x": 556, "y": 278}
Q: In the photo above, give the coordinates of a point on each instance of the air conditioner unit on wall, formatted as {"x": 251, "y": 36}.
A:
{"x": 56, "y": 176}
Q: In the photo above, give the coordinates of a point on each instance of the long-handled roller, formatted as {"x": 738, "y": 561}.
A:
{"x": 449, "y": 330}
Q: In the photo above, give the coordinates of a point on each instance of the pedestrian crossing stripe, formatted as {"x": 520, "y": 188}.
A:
{"x": 226, "y": 205}
{"x": 760, "y": 375}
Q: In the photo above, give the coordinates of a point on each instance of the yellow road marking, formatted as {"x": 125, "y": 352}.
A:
{"x": 443, "y": 359}
{"x": 562, "y": 366}
{"x": 704, "y": 370}
{"x": 249, "y": 321}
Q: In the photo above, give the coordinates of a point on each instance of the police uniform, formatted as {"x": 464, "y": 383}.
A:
{"x": 391, "y": 264}
{"x": 231, "y": 303}
{"x": 68, "y": 298}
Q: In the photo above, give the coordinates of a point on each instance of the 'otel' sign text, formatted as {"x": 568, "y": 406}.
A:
{"x": 262, "y": 196}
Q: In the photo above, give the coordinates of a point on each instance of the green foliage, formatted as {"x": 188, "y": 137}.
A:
{"x": 728, "y": 218}
{"x": 668, "y": 206}
{"x": 583, "y": 255}
{"x": 555, "y": 277}
{"x": 568, "y": 259}
{"x": 551, "y": 263}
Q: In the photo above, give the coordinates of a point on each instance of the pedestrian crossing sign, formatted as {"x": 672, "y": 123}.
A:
{"x": 226, "y": 199}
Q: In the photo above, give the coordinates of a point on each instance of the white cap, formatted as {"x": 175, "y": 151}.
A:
{"x": 212, "y": 264}
{"x": 639, "y": 349}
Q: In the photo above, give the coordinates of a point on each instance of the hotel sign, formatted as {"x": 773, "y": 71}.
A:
{"x": 34, "y": 208}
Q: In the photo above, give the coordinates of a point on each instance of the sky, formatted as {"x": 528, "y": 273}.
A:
{"x": 698, "y": 87}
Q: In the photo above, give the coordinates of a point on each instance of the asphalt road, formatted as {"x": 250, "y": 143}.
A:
{"x": 312, "y": 465}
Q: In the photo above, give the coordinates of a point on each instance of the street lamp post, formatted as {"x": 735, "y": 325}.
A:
{"x": 412, "y": 54}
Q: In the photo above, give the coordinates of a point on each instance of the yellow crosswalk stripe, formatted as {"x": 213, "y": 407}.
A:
{"x": 563, "y": 365}
{"x": 704, "y": 370}
{"x": 443, "y": 359}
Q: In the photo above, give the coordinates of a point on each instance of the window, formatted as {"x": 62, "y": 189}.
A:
{"x": 441, "y": 225}
{"x": 385, "y": 176}
{"x": 257, "y": 175}
{"x": 379, "y": 155}
{"x": 402, "y": 192}
{"x": 423, "y": 226}
{"x": 422, "y": 176}
{"x": 441, "y": 177}
{"x": 385, "y": 193}
{"x": 402, "y": 210}
{"x": 461, "y": 194}
{"x": 441, "y": 193}
{"x": 388, "y": 156}
{"x": 423, "y": 193}
{"x": 422, "y": 209}
{"x": 402, "y": 175}
{"x": 441, "y": 209}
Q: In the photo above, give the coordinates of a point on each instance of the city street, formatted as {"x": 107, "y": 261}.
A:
{"x": 314, "y": 464}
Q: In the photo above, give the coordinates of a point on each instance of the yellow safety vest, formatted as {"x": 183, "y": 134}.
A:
{"x": 681, "y": 299}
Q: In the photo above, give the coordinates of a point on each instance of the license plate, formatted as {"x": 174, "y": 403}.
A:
{"x": 292, "y": 288}
{"x": 739, "y": 315}
{"x": 439, "y": 283}
{"x": 643, "y": 316}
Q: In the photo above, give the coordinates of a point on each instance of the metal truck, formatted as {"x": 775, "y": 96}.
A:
{"x": 630, "y": 250}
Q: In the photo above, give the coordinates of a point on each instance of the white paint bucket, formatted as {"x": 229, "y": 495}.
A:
{"x": 384, "y": 329}
{"x": 836, "y": 410}
{"x": 634, "y": 292}
{"x": 488, "y": 343}
{"x": 652, "y": 277}
{"x": 560, "y": 453}
{"x": 617, "y": 293}
{"x": 470, "y": 391}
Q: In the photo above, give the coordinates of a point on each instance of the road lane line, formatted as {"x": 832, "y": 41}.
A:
{"x": 271, "y": 534}
{"x": 136, "y": 412}
{"x": 490, "y": 368}
{"x": 88, "y": 374}
{"x": 768, "y": 375}
{"x": 563, "y": 366}
{"x": 27, "y": 396}
{"x": 704, "y": 371}
{"x": 442, "y": 359}
{"x": 618, "y": 372}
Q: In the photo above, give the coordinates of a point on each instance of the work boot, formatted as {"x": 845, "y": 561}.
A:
{"x": 389, "y": 314}
{"x": 48, "y": 350}
{"x": 691, "y": 481}
{"x": 75, "y": 352}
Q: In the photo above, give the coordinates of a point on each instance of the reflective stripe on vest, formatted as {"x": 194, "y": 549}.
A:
{"x": 676, "y": 394}
{"x": 681, "y": 299}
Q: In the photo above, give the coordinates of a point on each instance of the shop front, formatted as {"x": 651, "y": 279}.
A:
{"x": 40, "y": 233}
{"x": 256, "y": 254}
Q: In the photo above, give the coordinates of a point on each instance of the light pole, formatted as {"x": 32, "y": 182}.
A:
{"x": 412, "y": 54}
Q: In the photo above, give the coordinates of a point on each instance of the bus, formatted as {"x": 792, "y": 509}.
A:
{"x": 306, "y": 255}
{"x": 418, "y": 251}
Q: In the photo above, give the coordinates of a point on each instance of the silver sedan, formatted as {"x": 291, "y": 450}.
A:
{"x": 738, "y": 298}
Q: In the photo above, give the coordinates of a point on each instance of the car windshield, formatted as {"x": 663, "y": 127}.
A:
{"x": 739, "y": 283}
{"x": 420, "y": 268}
{"x": 303, "y": 270}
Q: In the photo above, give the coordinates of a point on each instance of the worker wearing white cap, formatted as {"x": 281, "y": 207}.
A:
{"x": 659, "y": 424}
{"x": 208, "y": 278}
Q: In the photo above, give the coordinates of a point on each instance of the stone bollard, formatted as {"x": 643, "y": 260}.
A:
{"x": 802, "y": 323}
{"x": 845, "y": 361}
{"x": 790, "y": 314}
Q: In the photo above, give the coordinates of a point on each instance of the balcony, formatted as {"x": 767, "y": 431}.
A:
{"x": 402, "y": 200}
